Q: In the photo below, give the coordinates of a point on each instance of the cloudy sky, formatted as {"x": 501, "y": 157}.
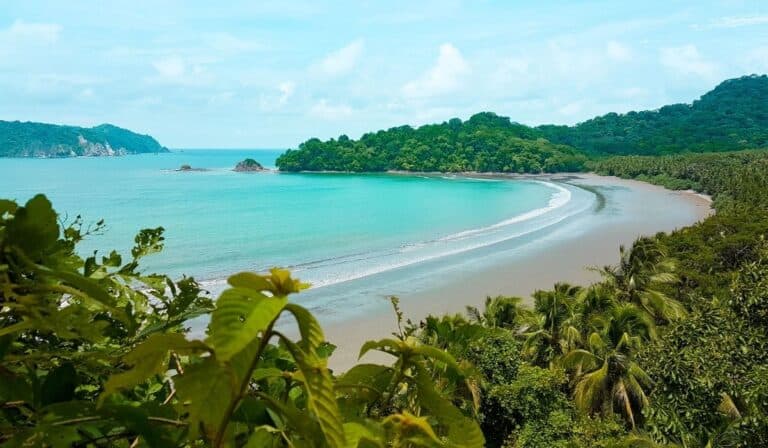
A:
{"x": 270, "y": 75}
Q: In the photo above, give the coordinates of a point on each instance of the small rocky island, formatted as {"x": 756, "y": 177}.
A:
{"x": 248, "y": 165}
{"x": 187, "y": 167}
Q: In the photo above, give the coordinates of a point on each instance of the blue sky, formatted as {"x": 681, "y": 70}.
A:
{"x": 270, "y": 75}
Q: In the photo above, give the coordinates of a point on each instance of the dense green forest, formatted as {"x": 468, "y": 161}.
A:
{"x": 670, "y": 348}
{"x": 485, "y": 142}
{"x": 733, "y": 116}
{"x": 27, "y": 139}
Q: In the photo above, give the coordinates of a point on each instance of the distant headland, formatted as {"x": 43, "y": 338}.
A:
{"x": 42, "y": 140}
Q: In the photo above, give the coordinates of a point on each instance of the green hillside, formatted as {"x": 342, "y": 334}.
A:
{"x": 485, "y": 142}
{"x": 27, "y": 139}
{"x": 733, "y": 116}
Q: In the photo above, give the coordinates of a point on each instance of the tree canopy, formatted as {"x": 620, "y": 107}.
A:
{"x": 733, "y": 116}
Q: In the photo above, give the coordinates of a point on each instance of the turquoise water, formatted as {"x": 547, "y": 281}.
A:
{"x": 346, "y": 234}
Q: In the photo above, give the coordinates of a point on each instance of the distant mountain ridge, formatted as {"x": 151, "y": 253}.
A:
{"x": 30, "y": 139}
{"x": 733, "y": 116}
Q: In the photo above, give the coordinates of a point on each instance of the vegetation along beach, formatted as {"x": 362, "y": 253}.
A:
{"x": 354, "y": 226}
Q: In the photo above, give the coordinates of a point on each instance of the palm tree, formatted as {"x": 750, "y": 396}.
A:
{"x": 613, "y": 381}
{"x": 501, "y": 312}
{"x": 556, "y": 330}
{"x": 639, "y": 274}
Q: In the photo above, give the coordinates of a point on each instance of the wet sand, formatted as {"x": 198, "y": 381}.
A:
{"x": 625, "y": 210}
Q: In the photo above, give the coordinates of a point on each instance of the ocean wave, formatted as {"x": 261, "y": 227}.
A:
{"x": 327, "y": 272}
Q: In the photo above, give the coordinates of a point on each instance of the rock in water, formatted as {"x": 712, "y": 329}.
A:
{"x": 248, "y": 165}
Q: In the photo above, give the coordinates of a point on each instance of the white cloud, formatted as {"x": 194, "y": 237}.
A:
{"x": 27, "y": 32}
{"x": 617, "y": 51}
{"x": 341, "y": 61}
{"x": 572, "y": 108}
{"x": 146, "y": 101}
{"x": 687, "y": 60}
{"x": 443, "y": 77}
{"x": 286, "y": 91}
{"x": 513, "y": 67}
{"x": 177, "y": 70}
{"x": 229, "y": 44}
{"x": 26, "y": 41}
{"x": 221, "y": 98}
{"x": 86, "y": 94}
{"x": 737, "y": 22}
{"x": 171, "y": 68}
{"x": 275, "y": 100}
{"x": 632, "y": 92}
{"x": 327, "y": 111}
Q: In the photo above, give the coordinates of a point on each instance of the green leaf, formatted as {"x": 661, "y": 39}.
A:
{"x": 312, "y": 336}
{"x": 34, "y": 228}
{"x": 7, "y": 206}
{"x": 250, "y": 280}
{"x": 357, "y": 432}
{"x": 263, "y": 437}
{"x": 59, "y": 385}
{"x": 390, "y": 346}
{"x": 206, "y": 390}
{"x": 150, "y": 358}
{"x": 90, "y": 288}
{"x": 372, "y": 376}
{"x": 241, "y": 314}
{"x": 135, "y": 418}
{"x": 14, "y": 388}
{"x": 321, "y": 398}
{"x": 269, "y": 372}
{"x": 45, "y": 436}
{"x": 436, "y": 354}
{"x": 294, "y": 418}
{"x": 462, "y": 431}
{"x": 413, "y": 429}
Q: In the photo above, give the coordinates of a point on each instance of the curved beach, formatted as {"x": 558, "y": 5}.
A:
{"x": 622, "y": 211}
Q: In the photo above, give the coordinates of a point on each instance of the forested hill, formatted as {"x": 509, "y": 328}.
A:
{"x": 733, "y": 116}
{"x": 485, "y": 142}
{"x": 27, "y": 139}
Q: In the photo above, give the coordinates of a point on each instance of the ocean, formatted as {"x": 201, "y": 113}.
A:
{"x": 355, "y": 238}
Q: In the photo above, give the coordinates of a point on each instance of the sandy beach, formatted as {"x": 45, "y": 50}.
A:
{"x": 626, "y": 209}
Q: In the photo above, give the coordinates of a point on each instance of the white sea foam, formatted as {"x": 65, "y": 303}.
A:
{"x": 446, "y": 246}
{"x": 322, "y": 273}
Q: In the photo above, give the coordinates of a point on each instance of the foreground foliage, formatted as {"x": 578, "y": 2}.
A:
{"x": 93, "y": 352}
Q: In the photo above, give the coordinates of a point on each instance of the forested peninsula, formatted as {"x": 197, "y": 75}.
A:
{"x": 28, "y": 139}
{"x": 733, "y": 116}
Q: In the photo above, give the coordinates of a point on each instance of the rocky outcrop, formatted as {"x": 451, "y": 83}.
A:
{"x": 248, "y": 165}
{"x": 188, "y": 168}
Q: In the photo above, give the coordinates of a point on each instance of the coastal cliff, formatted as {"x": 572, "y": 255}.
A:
{"x": 42, "y": 140}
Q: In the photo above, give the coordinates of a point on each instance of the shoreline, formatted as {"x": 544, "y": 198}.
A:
{"x": 563, "y": 255}
{"x": 562, "y": 177}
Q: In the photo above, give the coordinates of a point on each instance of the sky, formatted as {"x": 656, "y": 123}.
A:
{"x": 256, "y": 74}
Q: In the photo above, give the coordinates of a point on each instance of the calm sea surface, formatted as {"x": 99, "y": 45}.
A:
{"x": 349, "y": 235}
